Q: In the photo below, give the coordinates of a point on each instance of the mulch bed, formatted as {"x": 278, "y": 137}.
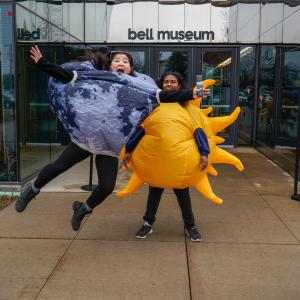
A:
{"x": 6, "y": 200}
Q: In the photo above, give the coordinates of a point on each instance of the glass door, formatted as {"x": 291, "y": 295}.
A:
{"x": 173, "y": 59}
{"x": 289, "y": 97}
{"x": 220, "y": 64}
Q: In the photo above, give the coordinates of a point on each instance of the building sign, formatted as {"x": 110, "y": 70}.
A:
{"x": 170, "y": 35}
{"x": 26, "y": 35}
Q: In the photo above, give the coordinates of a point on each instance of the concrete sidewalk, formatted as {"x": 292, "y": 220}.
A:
{"x": 251, "y": 247}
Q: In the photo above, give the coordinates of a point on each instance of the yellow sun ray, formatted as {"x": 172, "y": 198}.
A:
{"x": 207, "y": 111}
{"x": 219, "y": 140}
{"x": 217, "y": 124}
{"x": 133, "y": 185}
{"x": 203, "y": 187}
{"x": 212, "y": 171}
{"x": 223, "y": 157}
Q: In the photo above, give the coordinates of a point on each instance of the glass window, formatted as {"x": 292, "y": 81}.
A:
{"x": 41, "y": 136}
{"x": 8, "y": 157}
{"x": 174, "y": 61}
{"x": 266, "y": 95}
{"x": 139, "y": 60}
{"x": 246, "y": 94}
{"x": 217, "y": 65}
{"x": 290, "y": 95}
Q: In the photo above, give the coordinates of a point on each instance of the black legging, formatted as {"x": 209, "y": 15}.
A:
{"x": 107, "y": 169}
{"x": 184, "y": 201}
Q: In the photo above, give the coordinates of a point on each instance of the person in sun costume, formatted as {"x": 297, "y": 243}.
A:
{"x": 170, "y": 81}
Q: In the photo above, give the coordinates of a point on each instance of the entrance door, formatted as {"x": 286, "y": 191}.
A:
{"x": 173, "y": 59}
{"x": 288, "y": 97}
{"x": 219, "y": 64}
{"x": 215, "y": 63}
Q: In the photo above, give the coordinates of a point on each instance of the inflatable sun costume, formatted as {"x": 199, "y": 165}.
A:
{"x": 168, "y": 157}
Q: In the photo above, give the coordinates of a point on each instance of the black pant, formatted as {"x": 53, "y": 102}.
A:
{"x": 107, "y": 169}
{"x": 184, "y": 201}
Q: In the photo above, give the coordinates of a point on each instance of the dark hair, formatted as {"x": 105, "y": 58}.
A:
{"x": 175, "y": 74}
{"x": 113, "y": 53}
{"x": 99, "y": 59}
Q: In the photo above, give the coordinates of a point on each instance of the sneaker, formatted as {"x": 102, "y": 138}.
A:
{"x": 144, "y": 231}
{"x": 194, "y": 234}
{"x": 24, "y": 199}
{"x": 80, "y": 211}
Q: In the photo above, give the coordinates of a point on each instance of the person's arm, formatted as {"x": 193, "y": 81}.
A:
{"x": 51, "y": 69}
{"x": 203, "y": 146}
{"x": 169, "y": 96}
{"x": 56, "y": 71}
{"x": 182, "y": 95}
{"x": 132, "y": 143}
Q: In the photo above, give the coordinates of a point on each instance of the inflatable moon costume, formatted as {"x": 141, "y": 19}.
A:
{"x": 100, "y": 109}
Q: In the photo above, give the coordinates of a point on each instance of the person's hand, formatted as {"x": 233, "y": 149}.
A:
{"x": 126, "y": 159}
{"x": 203, "y": 162}
{"x": 35, "y": 53}
{"x": 196, "y": 91}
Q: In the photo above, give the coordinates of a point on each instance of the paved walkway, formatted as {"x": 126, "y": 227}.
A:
{"x": 251, "y": 247}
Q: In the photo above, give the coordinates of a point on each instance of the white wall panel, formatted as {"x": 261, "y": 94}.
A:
{"x": 248, "y": 23}
{"x": 154, "y": 22}
{"x": 232, "y": 24}
{"x": 291, "y": 24}
{"x": 197, "y": 17}
{"x": 95, "y": 22}
{"x": 73, "y": 22}
{"x": 220, "y": 23}
{"x": 271, "y": 23}
{"x": 170, "y": 20}
{"x": 119, "y": 19}
{"x": 145, "y": 22}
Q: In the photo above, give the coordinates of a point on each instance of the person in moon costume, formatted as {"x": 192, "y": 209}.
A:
{"x": 99, "y": 109}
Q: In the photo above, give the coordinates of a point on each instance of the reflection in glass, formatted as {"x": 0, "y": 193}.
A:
{"x": 8, "y": 163}
{"x": 290, "y": 96}
{"x": 40, "y": 134}
{"x": 266, "y": 95}
{"x": 217, "y": 65}
{"x": 246, "y": 94}
{"x": 139, "y": 60}
{"x": 174, "y": 61}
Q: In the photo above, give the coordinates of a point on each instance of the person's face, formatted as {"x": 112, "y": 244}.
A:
{"x": 120, "y": 63}
{"x": 171, "y": 83}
